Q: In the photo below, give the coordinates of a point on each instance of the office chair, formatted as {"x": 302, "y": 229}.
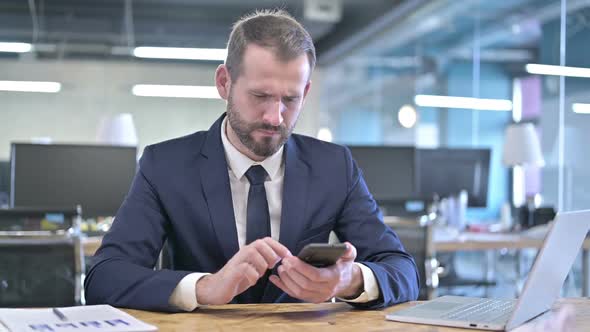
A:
{"x": 4, "y": 183}
{"x": 452, "y": 279}
{"x": 4, "y": 200}
{"x": 165, "y": 260}
{"x": 40, "y": 267}
{"x": 417, "y": 240}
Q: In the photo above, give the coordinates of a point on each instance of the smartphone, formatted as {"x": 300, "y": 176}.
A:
{"x": 322, "y": 254}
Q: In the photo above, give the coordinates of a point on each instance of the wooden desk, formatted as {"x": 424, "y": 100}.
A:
{"x": 308, "y": 317}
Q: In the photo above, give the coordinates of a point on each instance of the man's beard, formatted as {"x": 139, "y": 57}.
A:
{"x": 268, "y": 145}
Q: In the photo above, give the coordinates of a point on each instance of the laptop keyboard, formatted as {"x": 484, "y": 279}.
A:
{"x": 487, "y": 311}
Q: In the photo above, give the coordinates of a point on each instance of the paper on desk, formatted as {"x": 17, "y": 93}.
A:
{"x": 84, "y": 318}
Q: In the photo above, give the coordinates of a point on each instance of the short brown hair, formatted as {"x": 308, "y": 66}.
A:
{"x": 274, "y": 29}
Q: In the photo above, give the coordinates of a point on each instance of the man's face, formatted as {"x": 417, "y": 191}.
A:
{"x": 265, "y": 100}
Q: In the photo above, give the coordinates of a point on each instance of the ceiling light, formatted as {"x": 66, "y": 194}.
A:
{"x": 29, "y": 86}
{"x": 176, "y": 91}
{"x": 325, "y": 134}
{"x": 463, "y": 102}
{"x": 218, "y": 54}
{"x": 516, "y": 29}
{"x": 15, "y": 47}
{"x": 407, "y": 116}
{"x": 538, "y": 69}
{"x": 581, "y": 108}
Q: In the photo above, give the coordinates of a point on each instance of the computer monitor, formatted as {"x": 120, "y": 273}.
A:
{"x": 388, "y": 172}
{"x": 97, "y": 177}
{"x": 446, "y": 172}
{"x": 4, "y": 183}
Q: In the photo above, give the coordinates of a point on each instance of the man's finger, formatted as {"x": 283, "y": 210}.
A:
{"x": 350, "y": 254}
{"x": 248, "y": 272}
{"x": 258, "y": 262}
{"x": 267, "y": 252}
{"x": 293, "y": 286}
{"x": 278, "y": 248}
{"x": 281, "y": 285}
{"x": 311, "y": 272}
{"x": 245, "y": 277}
{"x": 304, "y": 282}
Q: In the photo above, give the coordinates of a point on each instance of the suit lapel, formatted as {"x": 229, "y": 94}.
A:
{"x": 294, "y": 196}
{"x": 217, "y": 190}
{"x": 294, "y": 202}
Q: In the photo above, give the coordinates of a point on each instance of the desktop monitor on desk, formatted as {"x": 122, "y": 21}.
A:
{"x": 97, "y": 177}
{"x": 389, "y": 173}
{"x": 446, "y": 172}
{"x": 4, "y": 183}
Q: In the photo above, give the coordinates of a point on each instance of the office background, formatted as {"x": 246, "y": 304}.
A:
{"x": 377, "y": 62}
{"x": 374, "y": 57}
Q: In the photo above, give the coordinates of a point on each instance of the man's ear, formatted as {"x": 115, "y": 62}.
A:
{"x": 222, "y": 81}
{"x": 305, "y": 91}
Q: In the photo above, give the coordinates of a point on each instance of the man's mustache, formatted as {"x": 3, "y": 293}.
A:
{"x": 268, "y": 127}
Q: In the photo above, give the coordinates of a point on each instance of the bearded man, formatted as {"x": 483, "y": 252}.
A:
{"x": 234, "y": 201}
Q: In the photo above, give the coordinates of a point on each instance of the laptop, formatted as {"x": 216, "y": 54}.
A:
{"x": 543, "y": 286}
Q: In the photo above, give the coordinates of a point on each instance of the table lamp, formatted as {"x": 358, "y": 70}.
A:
{"x": 522, "y": 146}
{"x": 521, "y": 149}
{"x": 117, "y": 129}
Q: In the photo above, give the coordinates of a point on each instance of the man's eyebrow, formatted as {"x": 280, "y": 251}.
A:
{"x": 258, "y": 91}
{"x": 266, "y": 93}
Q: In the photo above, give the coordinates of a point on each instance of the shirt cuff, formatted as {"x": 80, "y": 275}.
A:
{"x": 371, "y": 291}
{"x": 184, "y": 296}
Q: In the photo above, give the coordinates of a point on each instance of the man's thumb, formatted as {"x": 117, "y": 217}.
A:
{"x": 350, "y": 253}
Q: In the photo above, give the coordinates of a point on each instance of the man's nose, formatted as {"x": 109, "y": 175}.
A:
{"x": 274, "y": 115}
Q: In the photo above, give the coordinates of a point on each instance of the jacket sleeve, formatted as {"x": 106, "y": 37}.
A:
{"x": 378, "y": 247}
{"x": 122, "y": 274}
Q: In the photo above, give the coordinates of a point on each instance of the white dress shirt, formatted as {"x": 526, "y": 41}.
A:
{"x": 184, "y": 295}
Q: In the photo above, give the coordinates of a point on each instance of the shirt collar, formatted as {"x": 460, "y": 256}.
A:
{"x": 240, "y": 163}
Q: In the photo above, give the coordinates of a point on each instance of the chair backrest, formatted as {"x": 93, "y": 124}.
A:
{"x": 41, "y": 259}
{"x": 4, "y": 183}
{"x": 165, "y": 259}
{"x": 417, "y": 240}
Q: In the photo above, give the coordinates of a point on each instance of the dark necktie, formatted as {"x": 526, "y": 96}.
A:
{"x": 257, "y": 219}
{"x": 257, "y": 225}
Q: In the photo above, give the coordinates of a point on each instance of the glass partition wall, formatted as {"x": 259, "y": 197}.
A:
{"x": 457, "y": 74}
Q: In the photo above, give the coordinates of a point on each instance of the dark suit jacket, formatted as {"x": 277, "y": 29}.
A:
{"x": 182, "y": 194}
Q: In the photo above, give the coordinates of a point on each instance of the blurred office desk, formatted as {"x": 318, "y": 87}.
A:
{"x": 464, "y": 241}
{"x": 311, "y": 317}
{"x": 91, "y": 244}
{"x": 467, "y": 241}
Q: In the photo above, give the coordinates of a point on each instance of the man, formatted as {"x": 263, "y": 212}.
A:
{"x": 234, "y": 201}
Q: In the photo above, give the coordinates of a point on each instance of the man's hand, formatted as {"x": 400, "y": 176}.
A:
{"x": 303, "y": 281}
{"x": 241, "y": 272}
